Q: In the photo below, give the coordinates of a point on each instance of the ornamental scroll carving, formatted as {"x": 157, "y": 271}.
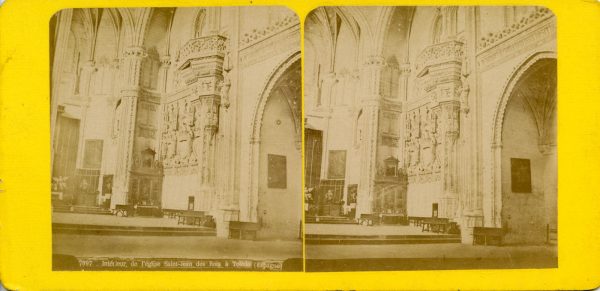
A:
{"x": 536, "y": 16}
{"x": 423, "y": 141}
{"x": 202, "y": 46}
{"x": 440, "y": 53}
{"x": 432, "y": 127}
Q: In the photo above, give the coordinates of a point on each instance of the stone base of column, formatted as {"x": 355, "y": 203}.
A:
{"x": 222, "y": 218}
{"x": 118, "y": 197}
{"x": 469, "y": 221}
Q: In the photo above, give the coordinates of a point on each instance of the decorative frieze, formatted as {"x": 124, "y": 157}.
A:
{"x": 534, "y": 35}
{"x": 450, "y": 51}
{"x": 203, "y": 46}
{"x": 262, "y": 33}
{"x": 286, "y": 41}
{"x": 539, "y": 14}
{"x": 423, "y": 148}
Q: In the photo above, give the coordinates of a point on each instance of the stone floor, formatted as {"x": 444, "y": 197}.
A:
{"x": 95, "y": 219}
{"x": 455, "y": 256}
{"x": 153, "y": 246}
{"x": 356, "y": 229}
{"x": 173, "y": 247}
{"x": 453, "y": 250}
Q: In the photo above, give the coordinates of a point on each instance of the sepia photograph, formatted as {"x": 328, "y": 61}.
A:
{"x": 430, "y": 138}
{"x": 176, "y": 139}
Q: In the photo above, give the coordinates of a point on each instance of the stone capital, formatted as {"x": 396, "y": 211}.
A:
{"x": 165, "y": 60}
{"x": 404, "y": 69}
{"x": 134, "y": 52}
{"x": 375, "y": 61}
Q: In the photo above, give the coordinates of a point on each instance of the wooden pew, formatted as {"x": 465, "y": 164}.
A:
{"x": 434, "y": 224}
{"x": 123, "y": 210}
{"x": 389, "y": 218}
{"x": 416, "y": 220}
{"x": 143, "y": 210}
{"x": 487, "y": 235}
{"x": 243, "y": 229}
{"x": 196, "y": 217}
{"x": 368, "y": 219}
{"x": 172, "y": 213}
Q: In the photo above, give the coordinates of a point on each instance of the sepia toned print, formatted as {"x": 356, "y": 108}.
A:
{"x": 176, "y": 139}
{"x": 446, "y": 118}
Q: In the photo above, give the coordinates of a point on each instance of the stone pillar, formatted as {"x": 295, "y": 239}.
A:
{"x": 163, "y": 72}
{"x": 450, "y": 114}
{"x": 550, "y": 185}
{"x": 85, "y": 79}
{"x": 371, "y": 92}
{"x": 326, "y": 96}
{"x": 63, "y": 23}
{"x": 472, "y": 211}
{"x": 130, "y": 91}
{"x": 403, "y": 97}
{"x": 496, "y": 198}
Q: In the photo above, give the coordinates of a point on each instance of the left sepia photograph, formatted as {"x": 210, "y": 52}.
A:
{"x": 176, "y": 139}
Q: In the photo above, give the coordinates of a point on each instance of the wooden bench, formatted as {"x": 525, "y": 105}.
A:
{"x": 417, "y": 220}
{"x": 143, "y": 210}
{"x": 368, "y": 219}
{"x": 434, "y": 224}
{"x": 191, "y": 217}
{"x": 487, "y": 235}
{"x": 124, "y": 210}
{"x": 389, "y": 218}
{"x": 243, "y": 229}
{"x": 172, "y": 213}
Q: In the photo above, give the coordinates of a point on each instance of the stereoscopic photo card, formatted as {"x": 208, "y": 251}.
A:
{"x": 244, "y": 145}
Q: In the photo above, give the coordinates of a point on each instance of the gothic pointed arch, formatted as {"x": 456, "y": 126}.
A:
{"x": 198, "y": 23}
{"x": 256, "y": 126}
{"x": 497, "y": 128}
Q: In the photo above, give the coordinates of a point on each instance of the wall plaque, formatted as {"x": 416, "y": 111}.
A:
{"x": 352, "y": 193}
{"x": 337, "y": 164}
{"x": 277, "y": 175}
{"x": 520, "y": 175}
{"x": 92, "y": 158}
{"x": 107, "y": 184}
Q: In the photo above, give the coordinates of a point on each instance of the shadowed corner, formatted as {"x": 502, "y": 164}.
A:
{"x": 64, "y": 263}
{"x": 2, "y": 288}
{"x": 292, "y": 265}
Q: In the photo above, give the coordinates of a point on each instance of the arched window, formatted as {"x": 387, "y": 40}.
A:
{"x": 437, "y": 29}
{"x": 199, "y": 23}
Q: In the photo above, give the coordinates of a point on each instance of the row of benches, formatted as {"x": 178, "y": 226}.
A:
{"x": 237, "y": 229}
{"x": 371, "y": 219}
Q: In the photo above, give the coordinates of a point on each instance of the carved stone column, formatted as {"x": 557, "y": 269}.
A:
{"x": 209, "y": 110}
{"x": 472, "y": 211}
{"x": 130, "y": 91}
{"x": 64, "y": 18}
{"x": 85, "y": 78}
{"x": 451, "y": 129}
{"x": 163, "y": 71}
{"x": 403, "y": 97}
{"x": 326, "y": 90}
{"x": 371, "y": 91}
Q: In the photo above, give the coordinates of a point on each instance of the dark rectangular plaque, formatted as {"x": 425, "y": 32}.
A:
{"x": 352, "y": 192}
{"x": 277, "y": 175}
{"x": 107, "y": 184}
{"x": 337, "y": 164}
{"x": 92, "y": 158}
{"x": 520, "y": 175}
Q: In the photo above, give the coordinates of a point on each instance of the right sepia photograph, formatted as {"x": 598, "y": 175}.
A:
{"x": 430, "y": 138}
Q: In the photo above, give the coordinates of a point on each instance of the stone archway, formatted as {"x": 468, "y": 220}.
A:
{"x": 524, "y": 149}
{"x": 275, "y": 162}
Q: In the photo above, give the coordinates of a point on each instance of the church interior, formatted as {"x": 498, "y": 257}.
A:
{"x": 194, "y": 112}
{"x": 437, "y": 115}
